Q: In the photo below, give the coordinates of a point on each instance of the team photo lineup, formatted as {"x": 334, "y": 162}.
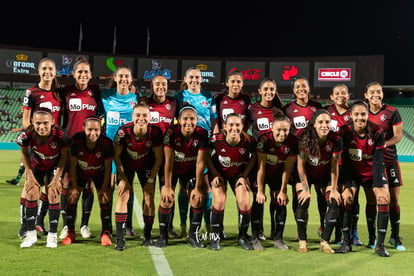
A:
{"x": 83, "y": 139}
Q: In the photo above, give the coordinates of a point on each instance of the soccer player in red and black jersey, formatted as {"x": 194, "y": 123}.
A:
{"x": 261, "y": 116}
{"x": 320, "y": 149}
{"x": 91, "y": 155}
{"x": 233, "y": 158}
{"x": 389, "y": 119}
{"x": 363, "y": 158}
{"x": 44, "y": 167}
{"x": 163, "y": 109}
{"x": 340, "y": 115}
{"x": 42, "y": 95}
{"x": 233, "y": 101}
{"x": 276, "y": 153}
{"x": 138, "y": 150}
{"x": 300, "y": 111}
{"x": 79, "y": 100}
{"x": 185, "y": 150}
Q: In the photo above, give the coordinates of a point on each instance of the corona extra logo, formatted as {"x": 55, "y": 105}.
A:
{"x": 202, "y": 67}
{"x": 22, "y": 57}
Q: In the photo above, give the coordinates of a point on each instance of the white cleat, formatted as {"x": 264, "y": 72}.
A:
{"x": 64, "y": 232}
{"x": 29, "y": 240}
{"x": 51, "y": 241}
{"x": 85, "y": 232}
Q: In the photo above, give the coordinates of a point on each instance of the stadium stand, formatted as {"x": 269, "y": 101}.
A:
{"x": 10, "y": 113}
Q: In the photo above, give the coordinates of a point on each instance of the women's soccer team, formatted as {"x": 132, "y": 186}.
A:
{"x": 81, "y": 137}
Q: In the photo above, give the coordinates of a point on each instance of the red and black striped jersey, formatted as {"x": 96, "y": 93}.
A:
{"x": 46, "y": 155}
{"x": 300, "y": 115}
{"x": 163, "y": 114}
{"x": 36, "y": 97}
{"x": 338, "y": 119}
{"x": 230, "y": 161}
{"x": 276, "y": 155}
{"x": 91, "y": 163}
{"x": 227, "y": 105}
{"x": 185, "y": 150}
{"x": 138, "y": 154}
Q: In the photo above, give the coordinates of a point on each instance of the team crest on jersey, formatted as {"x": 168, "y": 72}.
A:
{"x": 132, "y": 104}
{"x": 99, "y": 154}
{"x": 242, "y": 102}
{"x": 204, "y": 103}
{"x": 313, "y": 109}
{"x": 286, "y": 150}
{"x": 383, "y": 117}
{"x": 195, "y": 142}
{"x": 242, "y": 150}
{"x": 148, "y": 144}
{"x": 168, "y": 106}
{"x": 347, "y": 117}
{"x": 370, "y": 142}
{"x": 53, "y": 145}
{"x": 328, "y": 148}
{"x": 213, "y": 138}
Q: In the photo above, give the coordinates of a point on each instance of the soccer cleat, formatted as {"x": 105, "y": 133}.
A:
{"x": 129, "y": 231}
{"x": 41, "y": 229}
{"x": 64, "y": 232}
{"x": 372, "y": 243}
{"x": 162, "y": 241}
{"x": 303, "y": 247}
{"x": 281, "y": 245}
{"x": 85, "y": 232}
{"x": 29, "y": 240}
{"x": 70, "y": 238}
{"x": 195, "y": 242}
{"x": 51, "y": 241}
{"x": 183, "y": 232}
{"x": 326, "y": 248}
{"x": 223, "y": 235}
{"x": 355, "y": 238}
{"x": 13, "y": 181}
{"x": 344, "y": 248}
{"x": 397, "y": 244}
{"x": 245, "y": 244}
{"x": 381, "y": 251}
{"x": 105, "y": 239}
{"x": 172, "y": 234}
{"x": 215, "y": 244}
{"x": 120, "y": 244}
{"x": 147, "y": 242}
{"x": 261, "y": 236}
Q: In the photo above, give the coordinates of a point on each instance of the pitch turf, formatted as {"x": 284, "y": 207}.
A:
{"x": 88, "y": 257}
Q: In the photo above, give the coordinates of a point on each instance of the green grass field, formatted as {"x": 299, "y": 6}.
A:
{"x": 88, "y": 257}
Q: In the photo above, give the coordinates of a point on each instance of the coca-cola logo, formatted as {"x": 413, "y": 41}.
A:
{"x": 249, "y": 74}
{"x": 334, "y": 74}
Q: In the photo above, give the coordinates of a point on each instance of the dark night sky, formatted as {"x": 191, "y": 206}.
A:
{"x": 243, "y": 29}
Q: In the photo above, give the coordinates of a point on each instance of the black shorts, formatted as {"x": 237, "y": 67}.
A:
{"x": 97, "y": 182}
{"x": 142, "y": 176}
{"x": 274, "y": 182}
{"x": 42, "y": 176}
{"x": 393, "y": 174}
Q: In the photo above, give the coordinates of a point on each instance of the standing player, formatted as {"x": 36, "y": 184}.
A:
{"x": 390, "y": 120}
{"x": 320, "y": 149}
{"x": 163, "y": 109}
{"x": 44, "y": 167}
{"x": 91, "y": 157}
{"x": 233, "y": 158}
{"x": 138, "y": 150}
{"x": 203, "y": 101}
{"x": 42, "y": 95}
{"x": 261, "y": 115}
{"x": 117, "y": 103}
{"x": 186, "y": 152}
{"x": 363, "y": 155}
{"x": 276, "y": 153}
{"x": 300, "y": 111}
{"x": 79, "y": 100}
